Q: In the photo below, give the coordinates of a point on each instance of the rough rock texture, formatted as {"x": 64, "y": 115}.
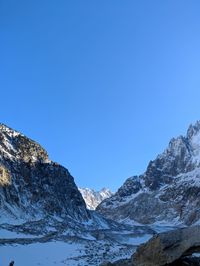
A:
{"x": 169, "y": 190}
{"x": 168, "y": 247}
{"x": 31, "y": 185}
{"x": 185, "y": 261}
{"x": 94, "y": 198}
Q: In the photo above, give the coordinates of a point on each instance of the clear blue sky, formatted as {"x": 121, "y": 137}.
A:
{"x": 102, "y": 85}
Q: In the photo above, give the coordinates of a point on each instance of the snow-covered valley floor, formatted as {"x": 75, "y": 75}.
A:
{"x": 62, "y": 253}
{"x": 71, "y": 252}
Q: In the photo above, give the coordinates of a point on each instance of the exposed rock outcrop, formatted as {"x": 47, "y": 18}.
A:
{"x": 168, "y": 247}
{"x": 185, "y": 261}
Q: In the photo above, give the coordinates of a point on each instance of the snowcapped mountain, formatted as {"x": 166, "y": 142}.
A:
{"x": 168, "y": 192}
{"x": 42, "y": 211}
{"x": 94, "y": 198}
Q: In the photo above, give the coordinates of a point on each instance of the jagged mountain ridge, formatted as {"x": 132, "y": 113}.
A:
{"x": 168, "y": 192}
{"x": 31, "y": 185}
{"x": 94, "y": 198}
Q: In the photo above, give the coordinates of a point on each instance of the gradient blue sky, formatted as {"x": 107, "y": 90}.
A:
{"x": 102, "y": 85}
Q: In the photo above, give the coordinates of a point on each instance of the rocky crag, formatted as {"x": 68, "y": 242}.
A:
{"x": 31, "y": 185}
{"x": 168, "y": 192}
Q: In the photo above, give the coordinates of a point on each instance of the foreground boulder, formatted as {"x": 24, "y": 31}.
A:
{"x": 173, "y": 248}
{"x": 168, "y": 247}
{"x": 186, "y": 261}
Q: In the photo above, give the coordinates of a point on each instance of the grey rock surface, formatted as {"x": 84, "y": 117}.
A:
{"x": 168, "y": 247}
{"x": 185, "y": 261}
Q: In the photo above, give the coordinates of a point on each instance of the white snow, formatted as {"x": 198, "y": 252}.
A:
{"x": 138, "y": 240}
{"x": 7, "y": 234}
{"x": 192, "y": 178}
{"x": 72, "y": 254}
{"x": 43, "y": 254}
{"x": 195, "y": 144}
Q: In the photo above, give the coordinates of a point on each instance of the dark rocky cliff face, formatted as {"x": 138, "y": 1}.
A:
{"x": 169, "y": 190}
{"x": 31, "y": 185}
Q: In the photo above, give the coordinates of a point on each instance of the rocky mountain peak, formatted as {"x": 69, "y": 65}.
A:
{"x": 167, "y": 190}
{"x": 31, "y": 185}
{"x": 9, "y": 131}
{"x": 16, "y": 146}
{"x": 181, "y": 156}
{"x": 105, "y": 190}
{"x": 193, "y": 130}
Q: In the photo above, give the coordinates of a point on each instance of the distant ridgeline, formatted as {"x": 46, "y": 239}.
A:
{"x": 94, "y": 198}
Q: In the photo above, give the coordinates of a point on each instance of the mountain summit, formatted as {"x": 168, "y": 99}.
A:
{"x": 168, "y": 192}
